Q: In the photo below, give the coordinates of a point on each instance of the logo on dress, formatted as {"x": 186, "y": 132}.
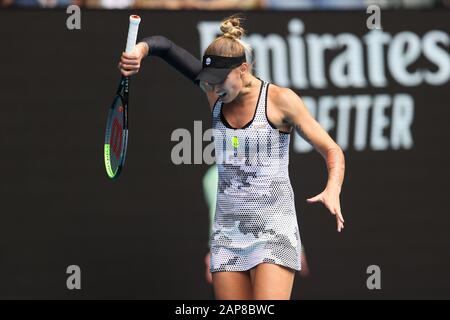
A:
{"x": 259, "y": 125}
{"x": 235, "y": 142}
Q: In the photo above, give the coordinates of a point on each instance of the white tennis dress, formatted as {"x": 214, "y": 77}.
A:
{"x": 255, "y": 220}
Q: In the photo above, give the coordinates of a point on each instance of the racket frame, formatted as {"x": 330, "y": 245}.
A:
{"x": 122, "y": 94}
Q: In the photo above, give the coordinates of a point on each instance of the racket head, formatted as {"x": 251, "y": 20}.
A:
{"x": 116, "y": 133}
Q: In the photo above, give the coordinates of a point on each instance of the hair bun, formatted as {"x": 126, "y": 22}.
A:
{"x": 231, "y": 28}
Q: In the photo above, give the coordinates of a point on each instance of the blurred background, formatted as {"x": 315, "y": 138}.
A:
{"x": 381, "y": 93}
{"x": 232, "y": 4}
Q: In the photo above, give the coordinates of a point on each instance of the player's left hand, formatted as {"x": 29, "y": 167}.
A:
{"x": 208, "y": 275}
{"x": 330, "y": 198}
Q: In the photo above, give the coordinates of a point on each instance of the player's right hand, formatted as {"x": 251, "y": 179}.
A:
{"x": 130, "y": 62}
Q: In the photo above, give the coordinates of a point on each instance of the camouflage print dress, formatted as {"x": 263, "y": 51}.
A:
{"x": 255, "y": 220}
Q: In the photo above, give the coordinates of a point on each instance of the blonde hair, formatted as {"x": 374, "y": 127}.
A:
{"x": 229, "y": 44}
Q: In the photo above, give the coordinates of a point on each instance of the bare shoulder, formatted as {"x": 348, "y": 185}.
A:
{"x": 282, "y": 97}
{"x": 290, "y": 108}
{"x": 280, "y": 100}
{"x": 288, "y": 103}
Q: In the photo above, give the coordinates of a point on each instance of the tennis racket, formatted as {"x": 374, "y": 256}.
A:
{"x": 116, "y": 135}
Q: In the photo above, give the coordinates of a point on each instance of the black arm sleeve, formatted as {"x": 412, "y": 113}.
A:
{"x": 174, "y": 55}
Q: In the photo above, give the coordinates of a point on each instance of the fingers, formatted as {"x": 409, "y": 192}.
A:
{"x": 133, "y": 62}
{"x": 128, "y": 69}
{"x": 130, "y": 55}
{"x": 332, "y": 206}
{"x": 314, "y": 199}
{"x": 340, "y": 224}
{"x": 129, "y": 64}
{"x": 208, "y": 274}
{"x": 128, "y": 73}
{"x": 339, "y": 220}
{"x": 339, "y": 215}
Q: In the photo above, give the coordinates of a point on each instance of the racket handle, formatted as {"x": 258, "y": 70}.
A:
{"x": 132, "y": 32}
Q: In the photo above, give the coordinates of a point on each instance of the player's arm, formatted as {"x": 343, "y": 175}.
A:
{"x": 160, "y": 46}
{"x": 177, "y": 57}
{"x": 294, "y": 112}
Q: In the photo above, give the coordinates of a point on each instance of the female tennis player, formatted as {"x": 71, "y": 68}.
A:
{"x": 255, "y": 243}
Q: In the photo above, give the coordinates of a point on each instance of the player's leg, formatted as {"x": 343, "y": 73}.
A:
{"x": 272, "y": 282}
{"x": 232, "y": 285}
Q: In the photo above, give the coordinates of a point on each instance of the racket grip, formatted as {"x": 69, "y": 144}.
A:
{"x": 132, "y": 32}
